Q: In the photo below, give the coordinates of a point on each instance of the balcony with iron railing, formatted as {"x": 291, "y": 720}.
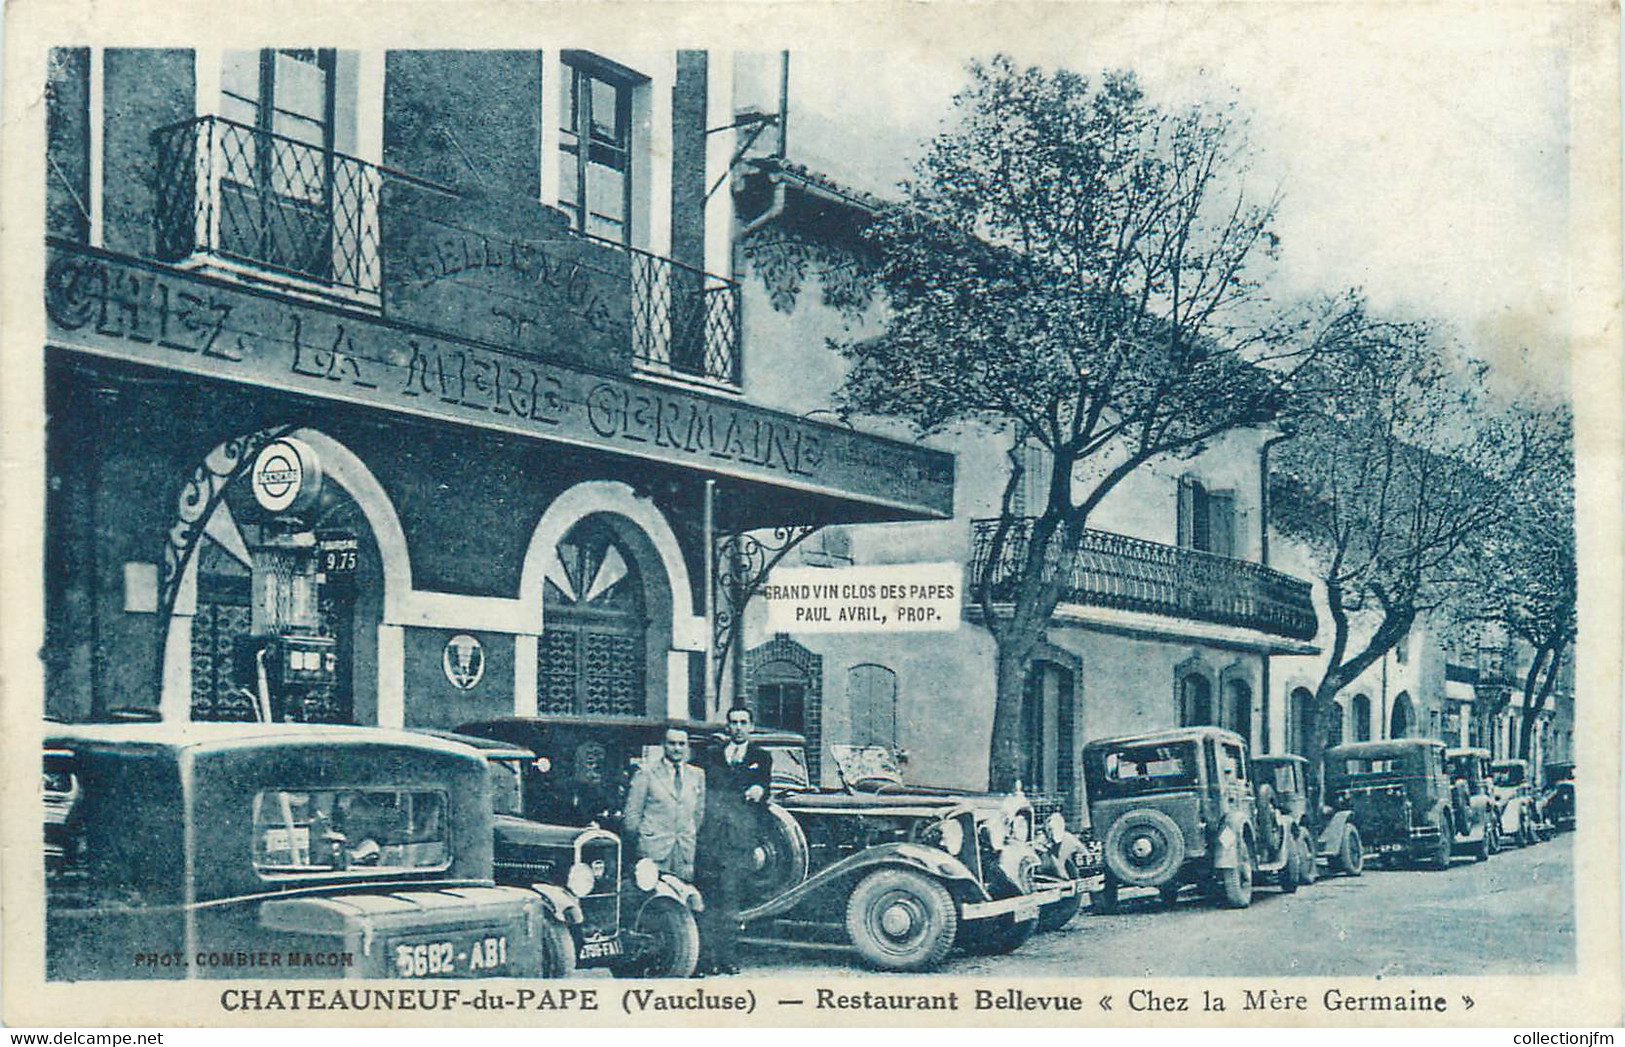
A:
{"x": 263, "y": 206}
{"x": 1132, "y": 574}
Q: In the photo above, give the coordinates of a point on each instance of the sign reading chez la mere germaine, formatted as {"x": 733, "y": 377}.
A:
{"x": 121, "y": 307}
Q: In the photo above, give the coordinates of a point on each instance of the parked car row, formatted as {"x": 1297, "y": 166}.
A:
{"x": 176, "y": 851}
{"x": 1190, "y": 807}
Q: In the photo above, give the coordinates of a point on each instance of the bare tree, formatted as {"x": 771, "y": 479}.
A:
{"x": 1394, "y": 481}
{"x": 1078, "y": 268}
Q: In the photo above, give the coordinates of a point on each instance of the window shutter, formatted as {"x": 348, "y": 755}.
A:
{"x": 1186, "y": 526}
{"x": 1221, "y": 514}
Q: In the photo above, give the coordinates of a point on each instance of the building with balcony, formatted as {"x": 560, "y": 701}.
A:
{"x": 407, "y": 387}
{"x": 1172, "y": 613}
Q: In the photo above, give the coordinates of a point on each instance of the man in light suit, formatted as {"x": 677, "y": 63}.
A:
{"x": 665, "y": 806}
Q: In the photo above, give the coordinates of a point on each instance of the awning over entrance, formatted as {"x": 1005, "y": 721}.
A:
{"x": 778, "y": 468}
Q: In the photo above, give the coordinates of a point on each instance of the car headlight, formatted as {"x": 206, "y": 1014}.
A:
{"x": 1021, "y": 828}
{"x": 995, "y": 829}
{"x": 646, "y": 874}
{"x": 1055, "y": 826}
{"x": 580, "y": 880}
{"x": 950, "y": 836}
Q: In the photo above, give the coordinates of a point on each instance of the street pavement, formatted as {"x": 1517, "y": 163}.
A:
{"x": 1511, "y": 914}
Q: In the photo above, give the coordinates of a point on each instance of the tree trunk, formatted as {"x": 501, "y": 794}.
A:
{"x": 1004, "y": 758}
{"x": 1531, "y": 712}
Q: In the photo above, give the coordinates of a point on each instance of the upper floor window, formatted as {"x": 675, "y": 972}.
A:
{"x": 1207, "y": 519}
{"x": 595, "y": 146}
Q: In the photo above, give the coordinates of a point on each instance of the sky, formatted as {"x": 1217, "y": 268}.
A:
{"x": 1422, "y": 157}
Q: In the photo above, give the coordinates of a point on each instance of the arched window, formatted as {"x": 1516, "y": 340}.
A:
{"x": 1303, "y": 702}
{"x": 871, "y": 695}
{"x": 1403, "y": 720}
{"x": 1360, "y": 711}
{"x": 1337, "y": 728}
{"x": 1195, "y": 701}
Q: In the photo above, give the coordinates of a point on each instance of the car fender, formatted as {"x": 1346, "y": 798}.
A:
{"x": 1064, "y": 850}
{"x": 678, "y": 890}
{"x": 916, "y": 857}
{"x": 560, "y": 903}
{"x": 1331, "y": 837}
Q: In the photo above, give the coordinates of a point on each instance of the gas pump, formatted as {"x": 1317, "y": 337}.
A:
{"x": 289, "y": 656}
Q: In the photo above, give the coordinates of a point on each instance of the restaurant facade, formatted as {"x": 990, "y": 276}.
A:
{"x": 398, "y": 388}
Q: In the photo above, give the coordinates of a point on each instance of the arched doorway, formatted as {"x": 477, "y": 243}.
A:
{"x": 1047, "y": 726}
{"x": 1402, "y": 722}
{"x": 1238, "y": 709}
{"x": 1302, "y": 703}
{"x": 347, "y": 545}
{"x": 1360, "y": 712}
{"x": 1195, "y": 700}
{"x": 597, "y": 639}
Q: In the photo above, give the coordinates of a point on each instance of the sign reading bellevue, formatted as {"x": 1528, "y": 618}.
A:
{"x": 150, "y": 314}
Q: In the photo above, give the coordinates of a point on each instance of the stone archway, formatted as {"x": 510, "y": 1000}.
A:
{"x": 1402, "y": 721}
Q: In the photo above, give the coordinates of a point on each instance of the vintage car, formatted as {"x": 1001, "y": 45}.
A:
{"x": 1521, "y": 814}
{"x": 276, "y": 851}
{"x": 1178, "y": 807}
{"x": 1066, "y": 856}
{"x": 627, "y": 916}
{"x": 1472, "y": 794}
{"x": 1400, "y": 797}
{"x": 1558, "y": 803}
{"x": 1281, "y": 783}
{"x": 905, "y": 876}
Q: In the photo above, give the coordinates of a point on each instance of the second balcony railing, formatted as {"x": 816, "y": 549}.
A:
{"x": 1132, "y": 574}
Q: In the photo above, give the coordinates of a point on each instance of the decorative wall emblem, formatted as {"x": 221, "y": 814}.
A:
{"x": 463, "y": 661}
{"x": 286, "y": 477}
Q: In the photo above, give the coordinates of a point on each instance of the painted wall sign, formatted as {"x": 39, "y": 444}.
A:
{"x": 286, "y": 476}
{"x": 463, "y": 661}
{"x": 532, "y": 288}
{"x": 154, "y": 315}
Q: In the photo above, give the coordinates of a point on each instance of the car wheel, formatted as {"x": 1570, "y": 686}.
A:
{"x": 1311, "y": 857}
{"x": 1145, "y": 848}
{"x": 1527, "y": 834}
{"x": 1104, "y": 901}
{"x": 672, "y": 948}
{"x": 1440, "y": 857}
{"x": 1351, "y": 855}
{"x": 558, "y": 949}
{"x": 779, "y": 860}
{"x": 1292, "y": 872}
{"x": 1057, "y": 915}
{"x": 900, "y": 920}
{"x": 1236, "y": 882}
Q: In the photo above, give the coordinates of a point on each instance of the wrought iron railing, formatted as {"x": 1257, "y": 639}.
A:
{"x": 1131, "y": 574}
{"x": 242, "y": 194}
{"x": 685, "y": 322}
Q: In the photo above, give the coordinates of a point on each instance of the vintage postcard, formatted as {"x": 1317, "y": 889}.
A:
{"x": 782, "y": 514}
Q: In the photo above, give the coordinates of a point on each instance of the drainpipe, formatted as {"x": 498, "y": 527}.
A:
{"x": 780, "y": 150}
{"x": 1264, "y": 559}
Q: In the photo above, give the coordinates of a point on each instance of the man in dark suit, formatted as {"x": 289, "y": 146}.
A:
{"x": 737, "y": 777}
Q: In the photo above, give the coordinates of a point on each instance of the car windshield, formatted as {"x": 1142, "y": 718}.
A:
{"x": 333, "y": 830}
{"x": 1463, "y": 767}
{"x": 507, "y": 786}
{"x": 789, "y": 767}
{"x": 1170, "y": 765}
{"x": 1509, "y": 776}
{"x": 1283, "y": 777}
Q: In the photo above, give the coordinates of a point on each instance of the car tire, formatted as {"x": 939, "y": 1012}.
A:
{"x": 1104, "y": 901}
{"x": 1527, "y": 834}
{"x": 1292, "y": 872}
{"x": 1439, "y": 857}
{"x": 1350, "y": 859}
{"x": 901, "y": 920}
{"x": 1311, "y": 856}
{"x": 675, "y": 949}
{"x": 1163, "y": 844}
{"x": 780, "y": 857}
{"x": 1487, "y": 844}
{"x": 558, "y": 949}
{"x": 1057, "y": 915}
{"x": 1236, "y": 883}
